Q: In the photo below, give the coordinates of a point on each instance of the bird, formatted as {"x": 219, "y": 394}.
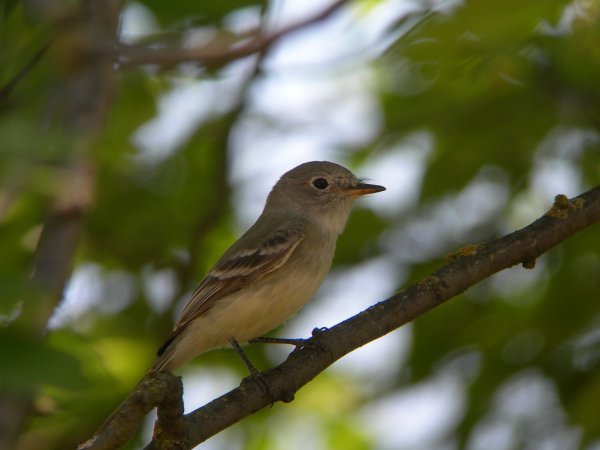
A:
{"x": 268, "y": 274}
{"x": 273, "y": 269}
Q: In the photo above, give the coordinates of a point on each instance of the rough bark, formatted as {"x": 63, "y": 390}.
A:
{"x": 465, "y": 268}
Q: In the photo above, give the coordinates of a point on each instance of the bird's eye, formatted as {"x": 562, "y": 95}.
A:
{"x": 320, "y": 183}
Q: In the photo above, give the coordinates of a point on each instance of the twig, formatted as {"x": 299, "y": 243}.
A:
{"x": 208, "y": 57}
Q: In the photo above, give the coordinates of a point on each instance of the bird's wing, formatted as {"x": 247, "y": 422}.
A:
{"x": 240, "y": 269}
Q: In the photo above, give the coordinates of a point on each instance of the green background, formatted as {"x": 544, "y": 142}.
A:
{"x": 507, "y": 94}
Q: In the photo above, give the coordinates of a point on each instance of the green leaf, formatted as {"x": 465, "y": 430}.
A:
{"x": 28, "y": 364}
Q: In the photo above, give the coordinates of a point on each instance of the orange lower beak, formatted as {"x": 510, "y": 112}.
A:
{"x": 364, "y": 189}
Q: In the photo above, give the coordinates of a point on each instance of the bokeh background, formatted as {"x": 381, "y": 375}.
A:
{"x": 474, "y": 115}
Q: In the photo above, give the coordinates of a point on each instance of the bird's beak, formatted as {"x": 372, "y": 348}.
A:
{"x": 364, "y": 189}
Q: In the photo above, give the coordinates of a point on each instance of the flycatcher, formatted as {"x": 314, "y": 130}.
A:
{"x": 273, "y": 269}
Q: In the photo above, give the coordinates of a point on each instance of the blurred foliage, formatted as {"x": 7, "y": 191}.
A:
{"x": 507, "y": 89}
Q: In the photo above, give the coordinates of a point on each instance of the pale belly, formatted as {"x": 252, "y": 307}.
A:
{"x": 247, "y": 314}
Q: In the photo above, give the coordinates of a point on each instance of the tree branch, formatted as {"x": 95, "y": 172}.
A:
{"x": 209, "y": 56}
{"x": 465, "y": 268}
{"x": 87, "y": 92}
{"x": 160, "y": 389}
